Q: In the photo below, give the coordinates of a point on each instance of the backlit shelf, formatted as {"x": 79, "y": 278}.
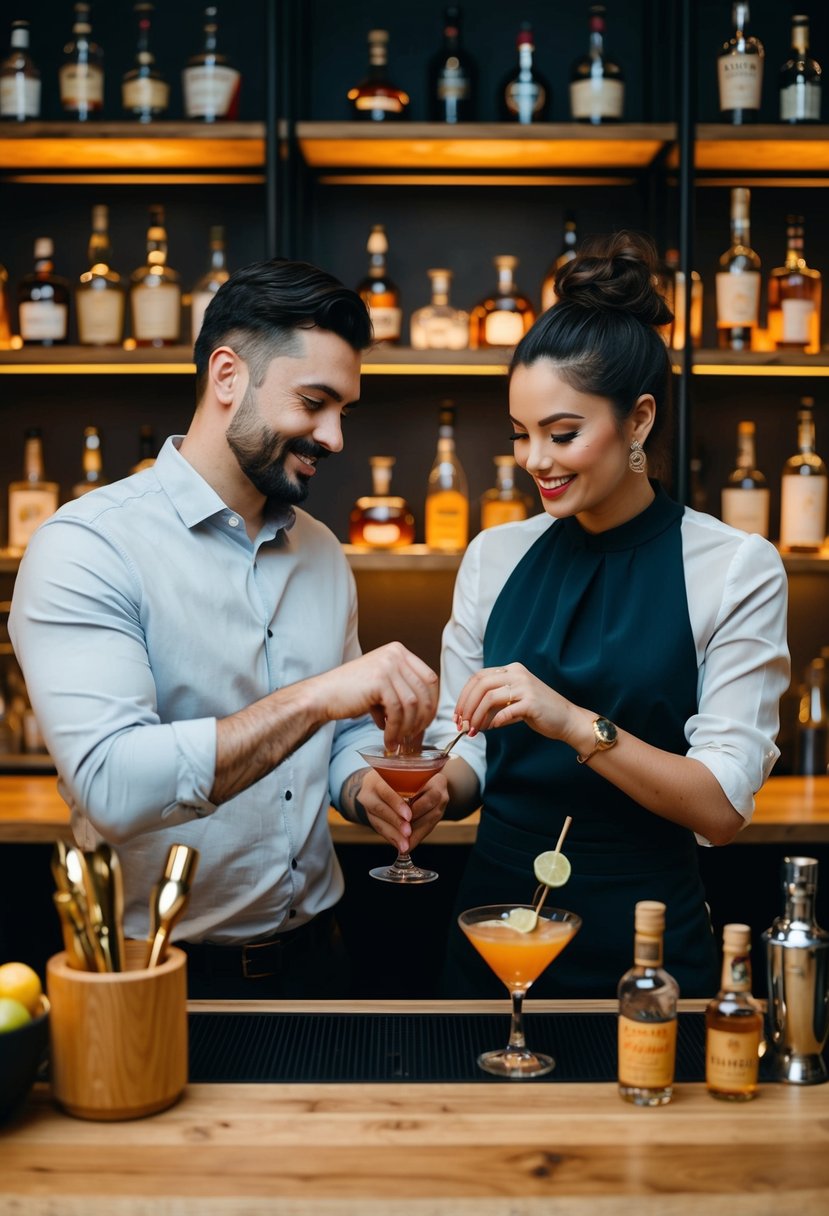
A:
{"x": 759, "y": 363}
{"x": 767, "y": 148}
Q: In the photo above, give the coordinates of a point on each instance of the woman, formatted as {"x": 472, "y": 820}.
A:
{"x": 618, "y": 658}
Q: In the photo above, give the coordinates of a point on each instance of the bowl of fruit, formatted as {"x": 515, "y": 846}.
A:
{"x": 24, "y": 1033}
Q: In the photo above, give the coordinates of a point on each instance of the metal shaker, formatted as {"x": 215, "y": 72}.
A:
{"x": 797, "y": 954}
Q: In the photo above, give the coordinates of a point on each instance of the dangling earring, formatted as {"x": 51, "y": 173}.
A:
{"x": 637, "y": 459}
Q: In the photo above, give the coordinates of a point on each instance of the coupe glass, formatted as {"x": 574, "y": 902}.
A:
{"x": 406, "y": 774}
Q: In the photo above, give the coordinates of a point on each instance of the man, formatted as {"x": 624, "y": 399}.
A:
{"x": 189, "y": 642}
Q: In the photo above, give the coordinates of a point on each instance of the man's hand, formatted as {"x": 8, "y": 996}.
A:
{"x": 393, "y": 819}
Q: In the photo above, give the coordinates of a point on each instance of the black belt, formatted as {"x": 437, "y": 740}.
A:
{"x": 260, "y": 959}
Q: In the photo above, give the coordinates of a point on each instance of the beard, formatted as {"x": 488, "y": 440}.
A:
{"x": 261, "y": 452}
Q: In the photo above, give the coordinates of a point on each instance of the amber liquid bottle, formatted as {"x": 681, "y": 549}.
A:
{"x": 377, "y": 291}
{"x": 794, "y": 296}
{"x": 381, "y": 520}
{"x": 376, "y": 98}
{"x": 647, "y": 1015}
{"x": 503, "y": 318}
{"x": 447, "y": 497}
{"x": 733, "y": 1024}
{"x": 504, "y": 503}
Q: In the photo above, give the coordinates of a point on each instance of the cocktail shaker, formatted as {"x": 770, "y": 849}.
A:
{"x": 797, "y": 953}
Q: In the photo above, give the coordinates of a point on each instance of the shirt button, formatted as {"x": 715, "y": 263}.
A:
{"x": 270, "y": 633}
{"x": 292, "y": 914}
{"x": 288, "y": 795}
{"x": 233, "y": 521}
{"x": 294, "y": 863}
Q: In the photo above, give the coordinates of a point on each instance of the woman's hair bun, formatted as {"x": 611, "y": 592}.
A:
{"x": 617, "y": 271}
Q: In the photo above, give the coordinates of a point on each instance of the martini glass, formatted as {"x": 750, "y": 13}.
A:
{"x": 406, "y": 774}
{"x": 517, "y": 958}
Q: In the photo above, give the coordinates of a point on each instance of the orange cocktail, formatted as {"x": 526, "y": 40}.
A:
{"x": 519, "y": 958}
{"x": 406, "y": 773}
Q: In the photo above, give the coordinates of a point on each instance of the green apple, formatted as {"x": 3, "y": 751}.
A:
{"x": 13, "y": 1014}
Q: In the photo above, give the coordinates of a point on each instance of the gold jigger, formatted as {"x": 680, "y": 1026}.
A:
{"x": 169, "y": 899}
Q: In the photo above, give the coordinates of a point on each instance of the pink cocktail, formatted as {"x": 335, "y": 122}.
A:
{"x": 406, "y": 774}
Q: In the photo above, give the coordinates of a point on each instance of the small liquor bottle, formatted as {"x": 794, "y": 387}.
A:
{"x": 812, "y": 737}
{"x": 733, "y": 1024}
{"x": 504, "y": 503}
{"x": 738, "y": 280}
{"x": 381, "y": 520}
{"x": 378, "y": 292}
{"x": 740, "y": 71}
{"x": 146, "y": 450}
{"x": 801, "y": 80}
{"x": 745, "y": 497}
{"x": 144, "y": 92}
{"x": 81, "y": 74}
{"x": 647, "y": 1015}
{"x": 33, "y": 499}
{"x": 43, "y": 300}
{"x": 210, "y": 282}
{"x": 155, "y": 293}
{"x": 597, "y": 87}
{"x": 99, "y": 296}
{"x": 5, "y": 310}
{"x": 803, "y": 489}
{"x": 19, "y": 78}
{"x": 676, "y": 302}
{"x": 794, "y": 296}
{"x": 569, "y": 243}
{"x": 91, "y": 464}
{"x": 447, "y": 497}
{"x": 438, "y": 326}
{"x": 525, "y": 95}
{"x": 501, "y": 319}
{"x": 210, "y": 84}
{"x": 376, "y": 98}
{"x": 452, "y": 75}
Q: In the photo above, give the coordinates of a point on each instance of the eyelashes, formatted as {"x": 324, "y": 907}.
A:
{"x": 568, "y": 438}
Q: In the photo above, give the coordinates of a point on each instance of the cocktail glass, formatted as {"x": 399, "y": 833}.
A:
{"x": 517, "y": 958}
{"x": 406, "y": 774}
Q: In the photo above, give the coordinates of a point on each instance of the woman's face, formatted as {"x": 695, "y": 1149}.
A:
{"x": 574, "y": 448}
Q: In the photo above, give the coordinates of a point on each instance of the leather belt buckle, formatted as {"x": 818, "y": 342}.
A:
{"x": 260, "y": 960}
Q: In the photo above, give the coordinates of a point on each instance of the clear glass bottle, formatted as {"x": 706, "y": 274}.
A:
{"x": 801, "y": 79}
{"x": 745, "y": 496}
{"x": 794, "y": 296}
{"x": 32, "y": 499}
{"x": 733, "y": 1024}
{"x": 43, "y": 300}
{"x": 447, "y": 496}
{"x": 81, "y": 75}
{"x": 803, "y": 489}
{"x": 146, "y": 450}
{"x": 524, "y": 95}
{"x": 648, "y": 998}
{"x": 210, "y": 282}
{"x": 378, "y": 292}
{"x": 19, "y": 78}
{"x": 99, "y": 296}
{"x": 381, "y": 520}
{"x": 145, "y": 94}
{"x": 676, "y": 302}
{"x": 738, "y": 280}
{"x": 569, "y": 245}
{"x": 439, "y": 326}
{"x": 504, "y": 503}
{"x": 92, "y": 466}
{"x": 597, "y": 86}
{"x": 453, "y": 75}
{"x": 812, "y": 735}
{"x": 210, "y": 83}
{"x": 740, "y": 70}
{"x": 155, "y": 292}
{"x": 501, "y": 319}
{"x": 376, "y": 98}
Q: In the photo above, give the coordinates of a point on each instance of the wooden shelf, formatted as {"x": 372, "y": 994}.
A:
{"x": 97, "y": 361}
{"x": 759, "y": 363}
{"x": 418, "y": 558}
{"x": 779, "y": 147}
{"x": 405, "y": 361}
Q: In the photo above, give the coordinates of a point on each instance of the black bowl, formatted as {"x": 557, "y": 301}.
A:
{"x": 22, "y": 1052}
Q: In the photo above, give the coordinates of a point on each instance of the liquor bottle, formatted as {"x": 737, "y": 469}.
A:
{"x": 733, "y": 1024}
{"x": 676, "y": 302}
{"x": 376, "y": 98}
{"x": 740, "y": 71}
{"x": 647, "y": 1015}
{"x": 803, "y": 489}
{"x": 32, "y": 499}
{"x": 5, "y": 310}
{"x": 801, "y": 81}
{"x": 501, "y": 319}
{"x": 745, "y": 497}
{"x": 92, "y": 475}
{"x": 210, "y": 282}
{"x": 738, "y": 280}
{"x": 812, "y": 735}
{"x": 378, "y": 292}
{"x": 439, "y": 326}
{"x": 525, "y": 95}
{"x": 43, "y": 300}
{"x": 504, "y": 503}
{"x": 19, "y": 78}
{"x": 155, "y": 294}
{"x": 380, "y": 519}
{"x": 146, "y": 450}
{"x": 210, "y": 83}
{"x": 144, "y": 92}
{"x": 81, "y": 74}
{"x": 99, "y": 296}
{"x": 597, "y": 86}
{"x": 447, "y": 498}
{"x": 453, "y": 75}
{"x": 794, "y": 296}
{"x": 569, "y": 242}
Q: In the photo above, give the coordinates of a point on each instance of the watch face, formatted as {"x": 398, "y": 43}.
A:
{"x": 605, "y": 732}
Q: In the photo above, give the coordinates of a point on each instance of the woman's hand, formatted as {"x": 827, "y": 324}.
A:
{"x": 500, "y": 696}
{"x": 392, "y": 818}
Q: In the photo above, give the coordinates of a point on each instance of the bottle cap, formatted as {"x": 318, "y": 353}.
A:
{"x": 505, "y": 261}
{"x": 650, "y": 916}
{"x": 382, "y": 462}
{"x": 44, "y": 247}
{"x": 737, "y": 937}
{"x": 504, "y": 462}
{"x": 799, "y": 874}
{"x": 377, "y": 241}
{"x": 100, "y": 217}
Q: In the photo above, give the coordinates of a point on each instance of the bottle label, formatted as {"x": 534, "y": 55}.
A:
{"x": 741, "y": 81}
{"x": 453, "y": 84}
{"x": 386, "y": 323}
{"x": 144, "y": 93}
{"x": 800, "y": 102}
{"x": 19, "y": 95}
{"x": 503, "y": 328}
{"x": 384, "y": 536}
{"x": 210, "y": 91}
{"x": 447, "y": 520}
{"x": 525, "y": 98}
{"x": 379, "y": 101}
{"x": 28, "y": 508}
{"x": 100, "y": 317}
{"x": 732, "y": 1060}
{"x": 155, "y": 313}
{"x": 501, "y": 511}
{"x": 647, "y": 1051}
{"x": 43, "y": 321}
{"x": 738, "y": 298}
{"x": 81, "y": 86}
{"x": 797, "y": 318}
{"x": 747, "y": 510}
{"x": 597, "y": 98}
{"x": 803, "y": 512}
{"x": 432, "y": 331}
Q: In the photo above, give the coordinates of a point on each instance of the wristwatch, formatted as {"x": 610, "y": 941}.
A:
{"x": 605, "y": 734}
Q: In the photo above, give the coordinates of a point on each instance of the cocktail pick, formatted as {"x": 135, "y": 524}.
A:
{"x": 545, "y": 889}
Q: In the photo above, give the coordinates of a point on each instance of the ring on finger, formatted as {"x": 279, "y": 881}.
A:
{"x": 509, "y": 694}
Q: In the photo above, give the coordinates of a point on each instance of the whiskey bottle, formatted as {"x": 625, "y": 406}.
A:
{"x": 380, "y": 519}
{"x": 738, "y": 280}
{"x": 794, "y": 296}
{"x": 92, "y": 475}
{"x": 525, "y": 95}
{"x": 803, "y": 490}
{"x": 376, "y": 98}
{"x": 439, "y": 326}
{"x": 447, "y": 497}
{"x": 504, "y": 503}
{"x": 812, "y": 735}
{"x": 210, "y": 83}
{"x": 569, "y": 244}
{"x": 210, "y": 282}
{"x": 43, "y": 300}
{"x": 452, "y": 75}
{"x": 733, "y": 1024}
{"x": 144, "y": 92}
{"x": 745, "y": 497}
{"x": 81, "y": 74}
{"x": 146, "y": 450}
{"x": 676, "y": 302}
{"x": 99, "y": 296}
{"x": 32, "y": 499}
{"x": 378, "y": 292}
{"x": 155, "y": 293}
{"x": 501, "y": 319}
{"x": 19, "y": 78}
{"x": 801, "y": 80}
{"x": 647, "y": 1015}
{"x": 597, "y": 86}
{"x": 740, "y": 71}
